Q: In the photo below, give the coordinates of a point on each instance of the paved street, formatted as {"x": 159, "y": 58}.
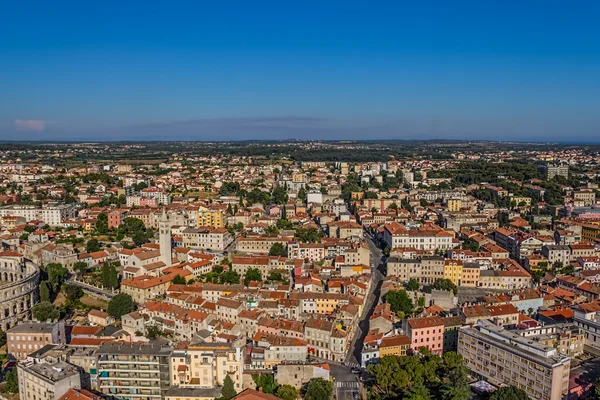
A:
{"x": 378, "y": 265}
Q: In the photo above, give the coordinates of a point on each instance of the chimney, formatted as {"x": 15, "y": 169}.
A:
{"x": 260, "y": 389}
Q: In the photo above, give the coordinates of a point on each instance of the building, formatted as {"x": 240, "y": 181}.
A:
{"x": 205, "y": 365}
{"x": 555, "y": 170}
{"x": 426, "y": 332}
{"x": 45, "y": 381}
{"x": 26, "y": 338}
{"x": 135, "y": 371}
{"x": 53, "y": 215}
{"x": 165, "y": 239}
{"x": 210, "y": 217}
{"x": 394, "y": 346}
{"x": 506, "y": 358}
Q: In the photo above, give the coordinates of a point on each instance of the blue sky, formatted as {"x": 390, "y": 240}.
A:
{"x": 505, "y": 70}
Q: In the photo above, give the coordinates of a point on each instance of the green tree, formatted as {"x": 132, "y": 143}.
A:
{"x": 319, "y": 389}
{"x": 153, "y": 331}
{"x": 509, "y": 393}
{"x": 309, "y": 235}
{"x": 109, "y": 276}
{"x": 12, "y": 381}
{"x": 45, "y": 293}
{"x": 80, "y": 267}
{"x": 228, "y": 391}
{"x": 102, "y": 223}
{"x": 445, "y": 284}
{"x": 231, "y": 277}
{"x": 417, "y": 392}
{"x": 120, "y": 305}
{"x": 56, "y": 275}
{"x": 139, "y": 238}
{"x": 44, "y": 311}
{"x": 252, "y": 274}
{"x": 179, "y": 280}
{"x": 92, "y": 245}
{"x": 597, "y": 389}
{"x": 266, "y": 382}
{"x": 72, "y": 292}
{"x": 302, "y": 194}
{"x": 456, "y": 386}
{"x": 287, "y": 392}
{"x": 279, "y": 195}
{"x": 412, "y": 285}
{"x": 399, "y": 301}
{"x": 278, "y": 249}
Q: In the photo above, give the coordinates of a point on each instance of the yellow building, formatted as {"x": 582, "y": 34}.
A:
{"x": 454, "y": 205}
{"x": 590, "y": 232}
{"x": 208, "y": 217}
{"x": 453, "y": 270}
{"x": 394, "y": 346}
{"x": 298, "y": 178}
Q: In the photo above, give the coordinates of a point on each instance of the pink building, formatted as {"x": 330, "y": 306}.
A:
{"x": 426, "y": 332}
{"x": 148, "y": 202}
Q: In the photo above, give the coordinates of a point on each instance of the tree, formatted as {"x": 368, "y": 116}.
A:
{"x": 252, "y": 274}
{"x": 228, "y": 391}
{"x": 597, "y": 388}
{"x": 109, "y": 276}
{"x": 266, "y": 382}
{"x": 102, "y": 223}
{"x": 120, "y": 305}
{"x": 309, "y": 235}
{"x": 45, "y": 293}
{"x": 399, "y": 301}
{"x": 275, "y": 276}
{"x": 319, "y": 389}
{"x": 445, "y": 284}
{"x": 302, "y": 194}
{"x": 12, "y": 381}
{"x": 231, "y": 277}
{"x": 92, "y": 245}
{"x": 56, "y": 275}
{"x": 80, "y": 267}
{"x": 278, "y": 249}
{"x": 153, "y": 331}
{"x": 44, "y": 311}
{"x": 72, "y": 292}
{"x": 456, "y": 386}
{"x": 179, "y": 280}
{"x": 509, "y": 393}
{"x": 287, "y": 392}
{"x": 139, "y": 238}
{"x": 412, "y": 285}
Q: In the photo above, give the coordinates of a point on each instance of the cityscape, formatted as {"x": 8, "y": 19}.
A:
{"x": 226, "y": 270}
{"x": 299, "y": 200}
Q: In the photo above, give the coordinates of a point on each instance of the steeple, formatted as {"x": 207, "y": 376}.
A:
{"x": 165, "y": 238}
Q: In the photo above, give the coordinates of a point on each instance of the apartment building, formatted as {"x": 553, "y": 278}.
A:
{"x": 210, "y": 217}
{"x": 46, "y": 381}
{"x": 506, "y": 358}
{"x": 53, "y": 215}
{"x": 265, "y": 264}
{"x": 258, "y": 245}
{"x": 426, "y": 332}
{"x": 134, "y": 371}
{"x": 396, "y": 235}
{"x": 215, "y": 239}
{"x": 205, "y": 365}
{"x": 28, "y": 337}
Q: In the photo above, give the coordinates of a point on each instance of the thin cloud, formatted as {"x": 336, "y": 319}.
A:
{"x": 34, "y": 125}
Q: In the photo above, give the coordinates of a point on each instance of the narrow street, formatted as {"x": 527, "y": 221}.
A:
{"x": 347, "y": 385}
{"x": 378, "y": 265}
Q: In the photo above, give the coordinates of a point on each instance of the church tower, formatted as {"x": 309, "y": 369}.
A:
{"x": 165, "y": 239}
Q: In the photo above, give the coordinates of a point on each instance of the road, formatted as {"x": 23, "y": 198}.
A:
{"x": 347, "y": 385}
{"x": 378, "y": 265}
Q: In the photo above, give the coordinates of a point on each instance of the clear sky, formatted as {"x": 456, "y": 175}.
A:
{"x": 165, "y": 70}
